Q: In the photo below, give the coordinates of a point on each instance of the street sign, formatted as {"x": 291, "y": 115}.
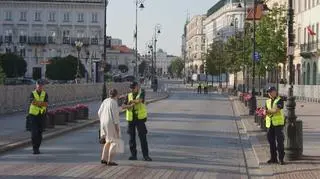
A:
{"x": 256, "y": 56}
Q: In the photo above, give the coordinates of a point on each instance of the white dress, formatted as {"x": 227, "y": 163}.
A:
{"x": 109, "y": 116}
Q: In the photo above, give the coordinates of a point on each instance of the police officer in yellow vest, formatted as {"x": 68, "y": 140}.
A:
{"x": 275, "y": 122}
{"x": 37, "y": 110}
{"x": 136, "y": 115}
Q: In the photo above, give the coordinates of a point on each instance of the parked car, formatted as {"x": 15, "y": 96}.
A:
{"x": 19, "y": 81}
{"x": 129, "y": 78}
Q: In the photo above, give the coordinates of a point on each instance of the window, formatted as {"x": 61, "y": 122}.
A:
{"x": 23, "y": 16}
{"x": 80, "y": 17}
{"x": 95, "y": 17}
{"x": 313, "y": 35}
{"x": 305, "y": 4}
{"x": 52, "y": 17}
{"x": 304, "y": 35}
{"x": 37, "y": 16}
{"x": 23, "y": 52}
{"x": 8, "y": 16}
{"x": 66, "y": 17}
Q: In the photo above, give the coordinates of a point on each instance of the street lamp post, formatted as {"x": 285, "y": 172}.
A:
{"x": 104, "y": 62}
{"x": 234, "y": 24}
{"x": 139, "y": 4}
{"x": 78, "y": 46}
{"x": 293, "y": 128}
{"x": 156, "y": 33}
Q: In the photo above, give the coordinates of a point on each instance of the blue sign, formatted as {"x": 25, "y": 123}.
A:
{"x": 256, "y": 56}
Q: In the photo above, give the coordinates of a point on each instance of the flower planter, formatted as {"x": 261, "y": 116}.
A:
{"x": 71, "y": 114}
{"x": 49, "y": 120}
{"x": 82, "y": 114}
{"x": 60, "y": 118}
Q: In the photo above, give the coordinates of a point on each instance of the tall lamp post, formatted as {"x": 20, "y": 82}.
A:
{"x": 155, "y": 38}
{"x": 293, "y": 128}
{"x": 234, "y": 24}
{"x": 253, "y": 104}
{"x": 104, "y": 62}
{"x": 139, "y": 4}
{"x": 79, "y": 45}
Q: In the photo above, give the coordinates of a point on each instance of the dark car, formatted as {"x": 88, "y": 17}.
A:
{"x": 129, "y": 78}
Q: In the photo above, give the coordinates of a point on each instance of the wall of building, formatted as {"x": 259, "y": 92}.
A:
{"x": 41, "y": 30}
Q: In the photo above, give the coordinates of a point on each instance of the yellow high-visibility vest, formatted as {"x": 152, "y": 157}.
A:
{"x": 140, "y": 109}
{"x": 276, "y": 119}
{"x": 35, "y": 110}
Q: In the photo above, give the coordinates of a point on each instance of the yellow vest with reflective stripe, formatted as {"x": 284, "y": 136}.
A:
{"x": 35, "y": 110}
{"x": 276, "y": 119}
{"x": 140, "y": 109}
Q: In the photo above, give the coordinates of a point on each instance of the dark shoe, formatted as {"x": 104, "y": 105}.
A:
{"x": 36, "y": 152}
{"x": 112, "y": 164}
{"x": 272, "y": 161}
{"x": 147, "y": 158}
{"x": 133, "y": 158}
{"x": 103, "y": 162}
{"x": 282, "y": 162}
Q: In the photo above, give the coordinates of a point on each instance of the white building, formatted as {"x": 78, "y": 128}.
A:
{"x": 195, "y": 43}
{"x": 40, "y": 30}
{"x": 121, "y": 55}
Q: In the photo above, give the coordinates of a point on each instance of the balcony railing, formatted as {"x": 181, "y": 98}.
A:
{"x": 23, "y": 39}
{"x": 94, "y": 41}
{"x": 8, "y": 39}
{"x": 84, "y": 40}
{"x": 66, "y": 40}
{"x": 51, "y": 40}
{"x": 37, "y": 40}
{"x": 308, "y": 47}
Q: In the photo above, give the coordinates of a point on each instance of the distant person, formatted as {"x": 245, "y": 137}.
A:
{"x": 199, "y": 88}
{"x": 136, "y": 115}
{"x": 36, "y": 115}
{"x": 109, "y": 127}
{"x": 275, "y": 122}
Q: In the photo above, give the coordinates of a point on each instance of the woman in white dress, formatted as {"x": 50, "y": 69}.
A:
{"x": 109, "y": 127}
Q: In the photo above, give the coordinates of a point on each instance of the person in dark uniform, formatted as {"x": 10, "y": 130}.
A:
{"x": 275, "y": 121}
{"x": 37, "y": 111}
{"x": 136, "y": 115}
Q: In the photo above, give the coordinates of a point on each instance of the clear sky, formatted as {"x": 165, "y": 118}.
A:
{"x": 171, "y": 14}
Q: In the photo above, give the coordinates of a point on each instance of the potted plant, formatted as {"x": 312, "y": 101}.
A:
{"x": 82, "y": 112}
{"x": 60, "y": 116}
{"x": 71, "y": 114}
{"x": 49, "y": 119}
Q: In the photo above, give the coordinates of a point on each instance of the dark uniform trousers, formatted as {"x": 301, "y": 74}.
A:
{"x": 36, "y": 130}
{"x": 142, "y": 133}
{"x": 275, "y": 133}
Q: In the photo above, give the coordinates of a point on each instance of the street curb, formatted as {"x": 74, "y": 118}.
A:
{"x": 57, "y": 133}
{"x": 256, "y": 146}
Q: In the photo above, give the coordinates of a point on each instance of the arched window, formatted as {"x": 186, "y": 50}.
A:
{"x": 308, "y": 74}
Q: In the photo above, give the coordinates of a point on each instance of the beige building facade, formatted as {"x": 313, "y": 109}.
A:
{"x": 195, "y": 44}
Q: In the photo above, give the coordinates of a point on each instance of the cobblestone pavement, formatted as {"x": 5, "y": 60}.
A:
{"x": 12, "y": 127}
{"x": 190, "y": 136}
{"x": 309, "y": 165}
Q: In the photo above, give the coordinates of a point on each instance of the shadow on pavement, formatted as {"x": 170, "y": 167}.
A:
{"x": 170, "y": 116}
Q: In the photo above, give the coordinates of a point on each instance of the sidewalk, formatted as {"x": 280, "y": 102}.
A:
{"x": 309, "y": 165}
{"x": 13, "y": 133}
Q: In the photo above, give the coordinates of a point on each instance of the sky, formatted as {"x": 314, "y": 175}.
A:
{"x": 170, "y": 14}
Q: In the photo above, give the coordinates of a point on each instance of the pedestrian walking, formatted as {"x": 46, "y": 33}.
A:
{"x": 199, "y": 88}
{"x": 136, "y": 115}
{"x": 110, "y": 133}
{"x": 275, "y": 121}
{"x": 36, "y": 115}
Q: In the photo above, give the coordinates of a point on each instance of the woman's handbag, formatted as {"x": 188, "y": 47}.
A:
{"x": 102, "y": 140}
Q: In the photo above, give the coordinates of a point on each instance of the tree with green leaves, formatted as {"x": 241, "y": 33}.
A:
{"x": 13, "y": 65}
{"x": 271, "y": 40}
{"x": 177, "y": 66}
{"x": 64, "y": 68}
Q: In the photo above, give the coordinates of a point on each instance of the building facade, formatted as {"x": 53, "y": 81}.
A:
{"x": 121, "y": 55}
{"x": 41, "y": 30}
{"x": 195, "y": 44}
